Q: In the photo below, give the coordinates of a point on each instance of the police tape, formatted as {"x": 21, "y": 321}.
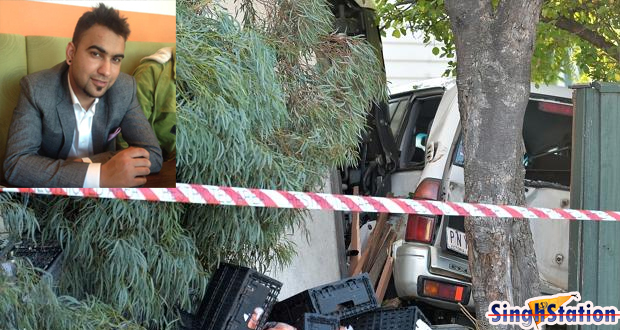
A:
{"x": 218, "y": 195}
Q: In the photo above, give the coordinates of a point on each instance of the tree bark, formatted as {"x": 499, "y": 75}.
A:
{"x": 494, "y": 48}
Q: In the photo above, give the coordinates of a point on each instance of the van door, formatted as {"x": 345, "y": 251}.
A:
{"x": 411, "y": 126}
{"x": 547, "y": 132}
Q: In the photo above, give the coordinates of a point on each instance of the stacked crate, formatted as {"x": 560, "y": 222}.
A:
{"x": 234, "y": 292}
{"x": 341, "y": 299}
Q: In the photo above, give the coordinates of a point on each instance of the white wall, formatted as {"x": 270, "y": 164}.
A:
{"x": 407, "y": 60}
{"x": 317, "y": 260}
{"x": 162, "y": 7}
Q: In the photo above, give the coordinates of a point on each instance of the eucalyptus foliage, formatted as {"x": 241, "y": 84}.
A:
{"x": 280, "y": 100}
{"x": 134, "y": 257}
{"x": 577, "y": 40}
{"x": 16, "y": 217}
{"x": 274, "y": 103}
{"x": 40, "y": 308}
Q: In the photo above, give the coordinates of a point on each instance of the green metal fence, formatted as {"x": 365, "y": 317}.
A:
{"x": 595, "y": 184}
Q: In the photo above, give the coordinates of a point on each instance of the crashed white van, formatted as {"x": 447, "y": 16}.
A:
{"x": 430, "y": 264}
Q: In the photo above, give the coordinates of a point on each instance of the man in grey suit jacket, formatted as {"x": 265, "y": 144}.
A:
{"x": 67, "y": 117}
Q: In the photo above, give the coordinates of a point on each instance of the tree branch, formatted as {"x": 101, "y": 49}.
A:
{"x": 586, "y": 34}
{"x": 406, "y": 2}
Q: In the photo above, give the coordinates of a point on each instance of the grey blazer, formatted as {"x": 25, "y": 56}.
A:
{"x": 43, "y": 125}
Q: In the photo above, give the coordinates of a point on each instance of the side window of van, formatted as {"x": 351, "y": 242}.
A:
{"x": 413, "y": 140}
{"x": 398, "y": 107}
{"x": 411, "y": 117}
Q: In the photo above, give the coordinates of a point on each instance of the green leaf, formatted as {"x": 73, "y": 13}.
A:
{"x": 570, "y": 53}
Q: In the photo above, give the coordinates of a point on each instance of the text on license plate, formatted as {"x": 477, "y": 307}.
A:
{"x": 455, "y": 240}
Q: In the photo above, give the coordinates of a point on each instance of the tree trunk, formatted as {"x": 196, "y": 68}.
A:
{"x": 494, "y": 48}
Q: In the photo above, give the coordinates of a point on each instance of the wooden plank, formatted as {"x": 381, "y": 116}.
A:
{"x": 375, "y": 250}
{"x": 360, "y": 264}
{"x": 355, "y": 237}
{"x": 374, "y": 247}
{"x": 381, "y": 244}
{"x": 384, "y": 280}
{"x": 376, "y": 266}
{"x": 381, "y": 222}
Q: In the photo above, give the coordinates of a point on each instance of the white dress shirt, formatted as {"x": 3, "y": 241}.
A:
{"x": 82, "y": 146}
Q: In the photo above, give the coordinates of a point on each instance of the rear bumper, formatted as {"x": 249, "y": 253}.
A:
{"x": 411, "y": 263}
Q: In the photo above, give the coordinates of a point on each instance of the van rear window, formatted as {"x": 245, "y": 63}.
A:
{"x": 547, "y": 136}
{"x": 548, "y": 139}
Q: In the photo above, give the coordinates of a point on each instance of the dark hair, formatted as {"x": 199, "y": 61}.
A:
{"x": 102, "y": 15}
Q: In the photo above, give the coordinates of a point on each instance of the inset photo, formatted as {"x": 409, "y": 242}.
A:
{"x": 87, "y": 94}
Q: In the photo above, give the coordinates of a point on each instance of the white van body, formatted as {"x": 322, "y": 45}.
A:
{"x": 415, "y": 261}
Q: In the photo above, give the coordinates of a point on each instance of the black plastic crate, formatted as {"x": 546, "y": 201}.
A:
{"x": 231, "y": 297}
{"x": 387, "y": 319}
{"x": 320, "y": 322}
{"x": 42, "y": 256}
{"x": 342, "y": 299}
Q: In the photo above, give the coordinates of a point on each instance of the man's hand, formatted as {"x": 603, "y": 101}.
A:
{"x": 255, "y": 317}
{"x": 253, "y": 321}
{"x": 126, "y": 169}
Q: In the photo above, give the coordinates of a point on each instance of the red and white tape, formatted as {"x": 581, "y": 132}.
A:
{"x": 216, "y": 195}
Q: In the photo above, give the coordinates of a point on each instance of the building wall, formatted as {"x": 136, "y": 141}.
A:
{"x": 162, "y": 7}
{"x": 407, "y": 60}
{"x": 318, "y": 256}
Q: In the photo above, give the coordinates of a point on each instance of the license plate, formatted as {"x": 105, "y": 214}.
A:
{"x": 455, "y": 240}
